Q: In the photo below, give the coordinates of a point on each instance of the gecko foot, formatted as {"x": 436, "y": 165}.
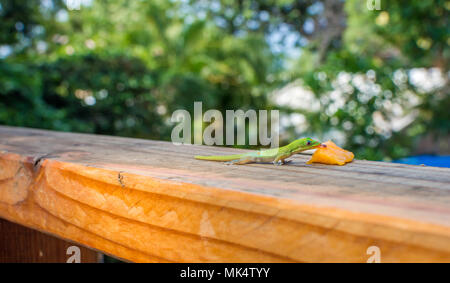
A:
{"x": 281, "y": 162}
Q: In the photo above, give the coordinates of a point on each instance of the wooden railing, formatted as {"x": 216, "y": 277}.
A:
{"x": 150, "y": 201}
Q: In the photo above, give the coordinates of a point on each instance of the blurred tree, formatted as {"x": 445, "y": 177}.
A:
{"x": 108, "y": 94}
{"x": 320, "y": 24}
{"x": 122, "y": 67}
{"x": 366, "y": 86}
{"x": 147, "y": 59}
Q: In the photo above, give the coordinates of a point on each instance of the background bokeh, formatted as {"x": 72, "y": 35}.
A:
{"x": 374, "y": 81}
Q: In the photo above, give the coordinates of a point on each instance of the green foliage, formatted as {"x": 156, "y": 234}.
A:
{"x": 103, "y": 94}
{"x": 122, "y": 67}
{"x": 21, "y": 99}
{"x": 376, "y": 47}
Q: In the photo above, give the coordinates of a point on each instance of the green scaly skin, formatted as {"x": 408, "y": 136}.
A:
{"x": 275, "y": 155}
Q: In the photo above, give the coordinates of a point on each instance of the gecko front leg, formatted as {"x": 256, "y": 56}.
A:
{"x": 281, "y": 159}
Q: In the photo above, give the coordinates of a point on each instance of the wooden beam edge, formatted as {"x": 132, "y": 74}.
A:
{"x": 141, "y": 218}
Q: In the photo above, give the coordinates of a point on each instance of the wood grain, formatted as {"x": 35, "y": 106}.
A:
{"x": 150, "y": 201}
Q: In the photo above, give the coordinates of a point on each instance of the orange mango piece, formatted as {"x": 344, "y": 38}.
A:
{"x": 331, "y": 154}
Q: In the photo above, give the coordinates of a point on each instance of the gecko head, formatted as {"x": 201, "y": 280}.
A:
{"x": 310, "y": 143}
{"x": 306, "y": 143}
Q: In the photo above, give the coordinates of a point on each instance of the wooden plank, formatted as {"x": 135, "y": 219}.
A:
{"x": 19, "y": 244}
{"x": 144, "y": 200}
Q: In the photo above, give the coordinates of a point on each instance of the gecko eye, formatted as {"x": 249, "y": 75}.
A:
{"x": 308, "y": 143}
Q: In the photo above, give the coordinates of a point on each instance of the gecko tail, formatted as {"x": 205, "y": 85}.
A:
{"x": 219, "y": 157}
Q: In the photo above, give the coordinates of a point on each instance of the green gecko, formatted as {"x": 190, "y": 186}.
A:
{"x": 275, "y": 155}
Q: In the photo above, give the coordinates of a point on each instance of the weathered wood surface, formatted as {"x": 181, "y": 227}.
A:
{"x": 144, "y": 200}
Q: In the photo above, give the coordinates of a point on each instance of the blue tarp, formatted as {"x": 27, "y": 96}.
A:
{"x": 429, "y": 160}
